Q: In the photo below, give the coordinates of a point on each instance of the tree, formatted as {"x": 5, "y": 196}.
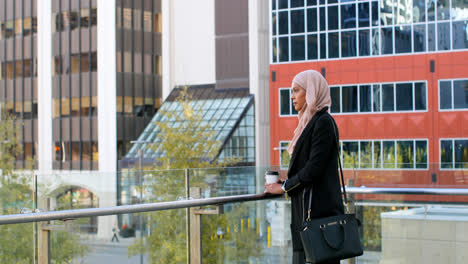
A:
{"x": 17, "y": 241}
{"x": 188, "y": 142}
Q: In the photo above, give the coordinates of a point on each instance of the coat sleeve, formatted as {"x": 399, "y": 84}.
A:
{"x": 321, "y": 143}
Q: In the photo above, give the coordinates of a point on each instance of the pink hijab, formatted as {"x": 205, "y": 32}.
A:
{"x": 317, "y": 97}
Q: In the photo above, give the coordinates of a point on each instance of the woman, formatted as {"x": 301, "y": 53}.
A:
{"x": 314, "y": 163}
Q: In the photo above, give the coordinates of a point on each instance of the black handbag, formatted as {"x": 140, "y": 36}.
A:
{"x": 331, "y": 238}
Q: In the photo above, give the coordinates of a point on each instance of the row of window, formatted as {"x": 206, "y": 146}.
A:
{"x": 18, "y": 27}
{"x": 371, "y": 42}
{"x": 394, "y": 154}
{"x": 75, "y": 63}
{"x": 367, "y": 29}
{"x": 76, "y": 151}
{"x": 139, "y": 20}
{"x": 146, "y": 63}
{"x": 18, "y": 69}
{"x": 69, "y": 20}
{"x": 386, "y": 97}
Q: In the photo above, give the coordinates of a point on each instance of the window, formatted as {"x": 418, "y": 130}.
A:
{"x": 387, "y": 97}
{"x": 453, "y": 153}
{"x": 367, "y": 27}
{"x": 284, "y": 156}
{"x": 385, "y": 154}
{"x": 285, "y": 104}
{"x": 453, "y": 94}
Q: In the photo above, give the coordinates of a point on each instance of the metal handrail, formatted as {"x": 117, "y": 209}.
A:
{"x": 150, "y": 207}
{"x": 126, "y": 209}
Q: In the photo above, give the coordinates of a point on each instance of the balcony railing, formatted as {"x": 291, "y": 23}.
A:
{"x": 230, "y": 220}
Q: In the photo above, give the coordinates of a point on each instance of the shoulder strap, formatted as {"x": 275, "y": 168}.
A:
{"x": 339, "y": 160}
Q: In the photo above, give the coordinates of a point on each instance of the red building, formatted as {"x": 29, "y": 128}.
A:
{"x": 399, "y": 87}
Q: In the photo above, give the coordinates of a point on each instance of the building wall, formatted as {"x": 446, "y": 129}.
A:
{"x": 194, "y": 42}
{"x": 18, "y": 71}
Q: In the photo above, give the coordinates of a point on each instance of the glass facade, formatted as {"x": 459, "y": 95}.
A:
{"x": 18, "y": 72}
{"x": 229, "y": 113}
{"x": 385, "y": 154}
{"x": 74, "y": 88}
{"x": 314, "y": 30}
{"x": 139, "y": 27}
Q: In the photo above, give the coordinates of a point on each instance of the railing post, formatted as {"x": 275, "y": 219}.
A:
{"x": 351, "y": 209}
{"x": 43, "y": 238}
{"x": 187, "y": 213}
{"x": 195, "y": 230}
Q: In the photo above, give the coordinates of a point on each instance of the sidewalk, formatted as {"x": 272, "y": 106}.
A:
{"x": 123, "y": 242}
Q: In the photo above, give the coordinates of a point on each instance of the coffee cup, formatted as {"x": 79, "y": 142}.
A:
{"x": 271, "y": 177}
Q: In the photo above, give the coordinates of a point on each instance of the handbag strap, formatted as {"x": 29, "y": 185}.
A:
{"x": 341, "y": 172}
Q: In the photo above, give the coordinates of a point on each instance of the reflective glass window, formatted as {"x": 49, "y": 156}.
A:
{"x": 402, "y": 10}
{"x": 430, "y": 10}
{"x": 419, "y": 11}
{"x": 322, "y": 18}
{"x": 376, "y": 98}
{"x": 420, "y": 96}
{"x": 348, "y": 44}
{"x": 461, "y": 153}
{"x": 375, "y": 42}
{"x": 350, "y": 99}
{"x": 460, "y": 94}
{"x": 419, "y": 40}
{"x": 273, "y": 4}
{"x": 297, "y": 21}
{"x": 387, "y": 40}
{"x": 404, "y": 96}
{"x": 283, "y": 50}
{"x": 431, "y": 37}
{"x": 283, "y": 22}
{"x": 350, "y": 154}
{"x": 388, "y": 150}
{"x": 348, "y": 16}
{"x": 335, "y": 99}
{"x": 421, "y": 154}
{"x": 459, "y": 10}
{"x": 323, "y": 46}
{"x": 297, "y": 3}
{"x": 333, "y": 45}
{"x": 282, "y": 4}
{"x": 403, "y": 39}
{"x": 375, "y": 13}
{"x": 311, "y": 2}
{"x": 332, "y": 17}
{"x": 365, "y": 93}
{"x": 273, "y": 24}
{"x": 285, "y": 102}
{"x": 312, "y": 47}
{"x": 446, "y": 154}
{"x": 297, "y": 48}
{"x": 386, "y": 17}
{"x": 443, "y": 10}
{"x": 312, "y": 19}
{"x": 377, "y": 156}
{"x": 274, "y": 50}
{"x": 365, "y": 154}
{"x": 445, "y": 94}
{"x": 460, "y": 34}
{"x": 364, "y": 42}
{"x": 387, "y": 97}
{"x": 363, "y": 11}
{"x": 443, "y": 35}
{"x": 405, "y": 154}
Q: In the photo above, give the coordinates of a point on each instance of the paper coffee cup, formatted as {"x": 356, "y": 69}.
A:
{"x": 271, "y": 177}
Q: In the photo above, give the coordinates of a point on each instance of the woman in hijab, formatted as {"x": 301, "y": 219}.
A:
{"x": 314, "y": 165}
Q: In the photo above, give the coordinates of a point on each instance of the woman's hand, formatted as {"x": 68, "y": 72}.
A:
{"x": 273, "y": 188}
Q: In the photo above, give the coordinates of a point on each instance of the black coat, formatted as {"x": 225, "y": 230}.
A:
{"x": 314, "y": 163}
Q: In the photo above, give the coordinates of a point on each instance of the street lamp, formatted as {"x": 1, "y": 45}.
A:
{"x": 140, "y": 183}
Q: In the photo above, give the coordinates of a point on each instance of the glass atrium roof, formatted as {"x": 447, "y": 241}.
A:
{"x": 223, "y": 110}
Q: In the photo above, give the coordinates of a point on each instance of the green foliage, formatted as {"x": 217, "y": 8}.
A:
{"x": 188, "y": 143}
{"x": 17, "y": 241}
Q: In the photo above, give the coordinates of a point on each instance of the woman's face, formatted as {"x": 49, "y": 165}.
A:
{"x": 298, "y": 97}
